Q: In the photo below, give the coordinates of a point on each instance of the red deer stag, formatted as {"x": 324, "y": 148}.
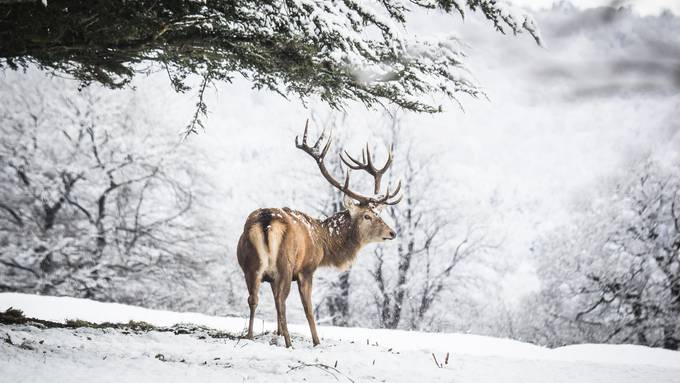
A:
{"x": 283, "y": 245}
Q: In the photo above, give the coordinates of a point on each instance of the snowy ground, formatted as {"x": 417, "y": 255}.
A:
{"x": 31, "y": 354}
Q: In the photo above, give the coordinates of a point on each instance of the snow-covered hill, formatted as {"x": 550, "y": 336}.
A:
{"x": 31, "y": 354}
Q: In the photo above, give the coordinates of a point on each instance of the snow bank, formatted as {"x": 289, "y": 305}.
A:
{"x": 63, "y": 308}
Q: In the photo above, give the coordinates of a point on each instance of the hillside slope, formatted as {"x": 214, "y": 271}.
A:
{"x": 31, "y": 354}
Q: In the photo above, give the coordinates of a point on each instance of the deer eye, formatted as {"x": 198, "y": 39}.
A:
{"x": 368, "y": 217}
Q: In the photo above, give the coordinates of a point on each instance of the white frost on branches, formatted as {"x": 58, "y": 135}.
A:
{"x": 369, "y": 39}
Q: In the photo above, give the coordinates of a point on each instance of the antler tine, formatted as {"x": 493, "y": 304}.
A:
{"x": 304, "y": 135}
{"x": 318, "y": 140}
{"x": 328, "y": 144}
{"x": 388, "y": 163}
{"x": 396, "y": 201}
{"x": 356, "y": 165}
{"x": 298, "y": 144}
{"x": 396, "y": 190}
{"x": 369, "y": 160}
{"x": 389, "y": 195}
{"x": 347, "y": 179}
{"x": 377, "y": 174}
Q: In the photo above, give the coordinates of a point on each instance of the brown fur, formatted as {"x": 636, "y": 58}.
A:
{"x": 282, "y": 245}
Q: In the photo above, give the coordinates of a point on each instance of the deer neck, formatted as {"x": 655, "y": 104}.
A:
{"x": 341, "y": 243}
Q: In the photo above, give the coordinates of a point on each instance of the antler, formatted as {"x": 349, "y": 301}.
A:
{"x": 366, "y": 164}
{"x": 319, "y": 150}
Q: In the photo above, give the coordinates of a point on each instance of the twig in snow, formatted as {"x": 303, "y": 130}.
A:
{"x": 435, "y": 361}
{"x": 440, "y": 365}
{"x": 323, "y": 367}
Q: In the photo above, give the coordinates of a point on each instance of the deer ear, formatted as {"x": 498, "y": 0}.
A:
{"x": 350, "y": 205}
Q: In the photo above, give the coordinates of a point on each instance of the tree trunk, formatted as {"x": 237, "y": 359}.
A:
{"x": 338, "y": 302}
{"x": 671, "y": 336}
{"x": 670, "y": 341}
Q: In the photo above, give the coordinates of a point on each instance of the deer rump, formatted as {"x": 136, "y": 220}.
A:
{"x": 271, "y": 241}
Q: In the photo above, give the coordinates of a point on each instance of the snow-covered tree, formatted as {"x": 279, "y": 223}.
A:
{"x": 339, "y": 50}
{"x": 410, "y": 275}
{"x": 95, "y": 203}
{"x": 614, "y": 275}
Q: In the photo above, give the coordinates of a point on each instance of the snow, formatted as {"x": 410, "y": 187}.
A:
{"x": 29, "y": 354}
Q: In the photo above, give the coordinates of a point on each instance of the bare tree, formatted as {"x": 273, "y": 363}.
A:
{"x": 94, "y": 204}
{"x": 429, "y": 247}
{"x": 614, "y": 276}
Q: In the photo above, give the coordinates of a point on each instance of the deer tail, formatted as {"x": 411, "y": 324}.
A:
{"x": 266, "y": 236}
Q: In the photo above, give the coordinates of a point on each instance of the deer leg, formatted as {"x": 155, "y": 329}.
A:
{"x": 278, "y": 323}
{"x": 253, "y": 282}
{"x": 305, "y": 288}
{"x": 280, "y": 294}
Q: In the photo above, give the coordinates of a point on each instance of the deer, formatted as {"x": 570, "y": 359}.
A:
{"x": 280, "y": 246}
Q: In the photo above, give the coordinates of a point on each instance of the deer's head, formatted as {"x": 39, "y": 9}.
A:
{"x": 367, "y": 224}
{"x": 364, "y": 211}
